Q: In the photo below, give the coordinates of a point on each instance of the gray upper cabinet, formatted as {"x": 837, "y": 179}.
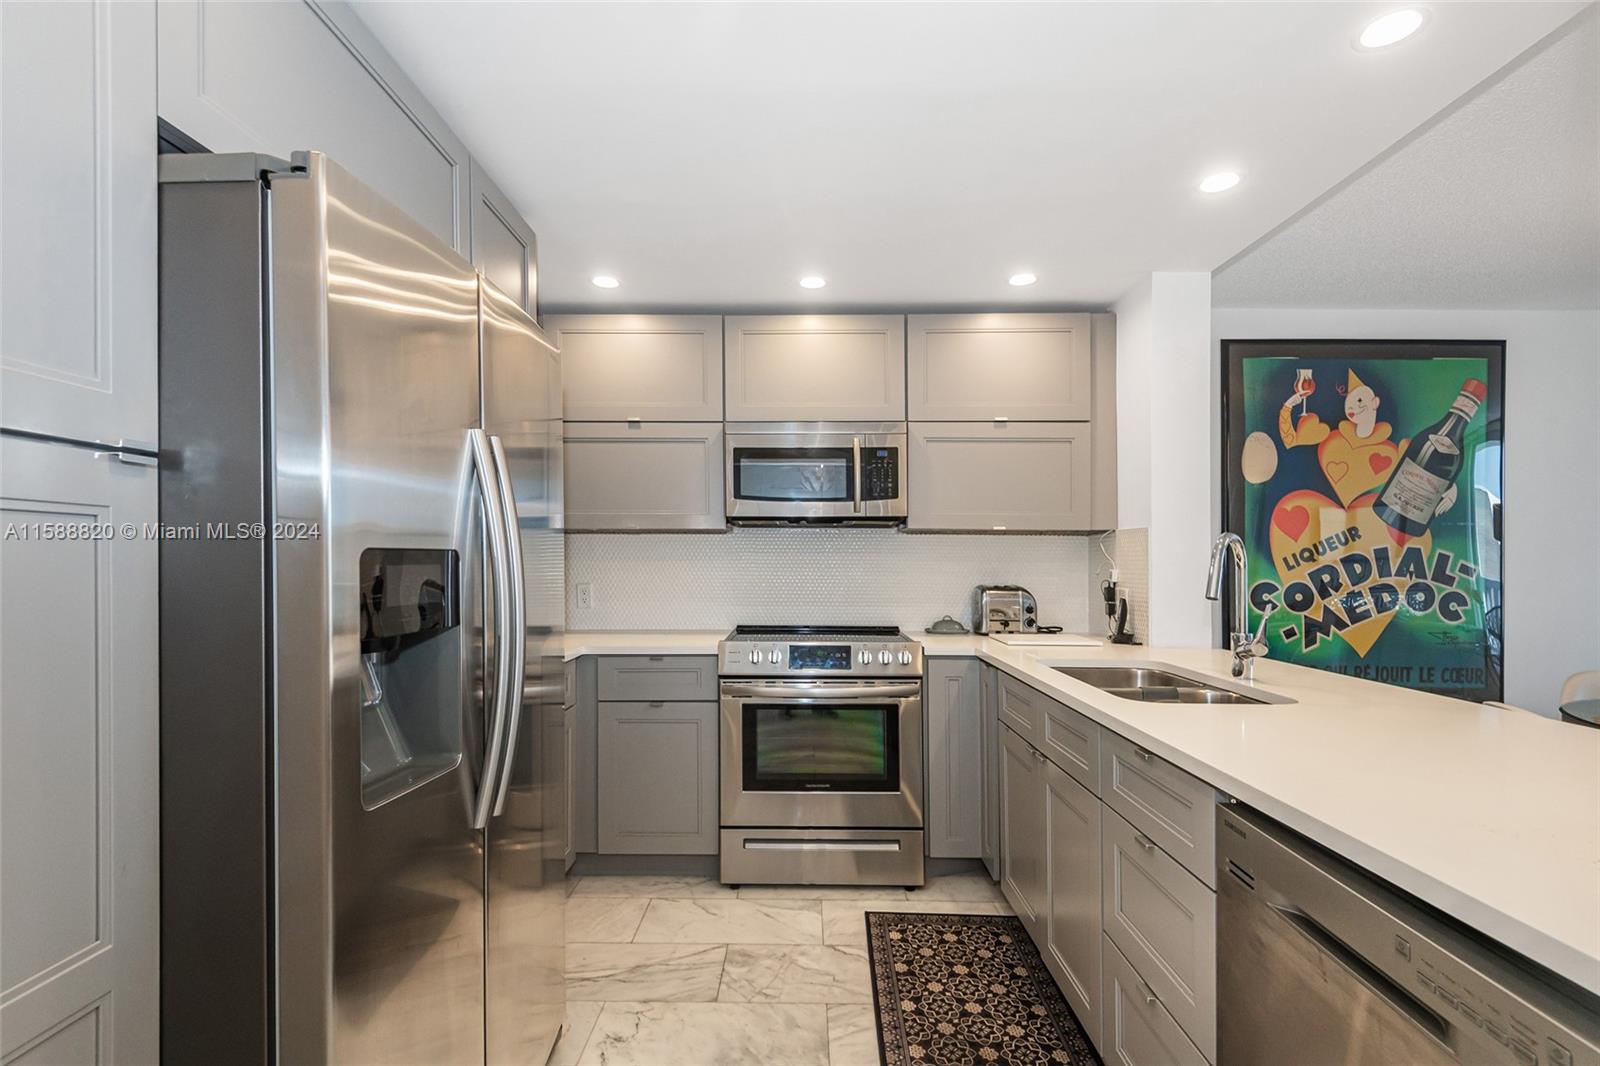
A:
{"x": 981, "y": 367}
{"x": 1006, "y": 476}
{"x": 955, "y": 759}
{"x": 651, "y": 368}
{"x": 78, "y": 165}
{"x": 816, "y": 368}
{"x": 503, "y": 245}
{"x": 644, "y": 475}
{"x": 224, "y": 80}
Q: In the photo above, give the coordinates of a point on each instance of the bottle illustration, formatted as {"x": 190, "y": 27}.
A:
{"x": 1412, "y": 496}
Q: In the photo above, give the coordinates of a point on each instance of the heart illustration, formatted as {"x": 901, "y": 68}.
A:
{"x": 1336, "y": 471}
{"x": 1304, "y": 518}
{"x": 1379, "y": 462}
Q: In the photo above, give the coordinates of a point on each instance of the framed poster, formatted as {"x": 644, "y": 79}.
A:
{"x": 1365, "y": 479}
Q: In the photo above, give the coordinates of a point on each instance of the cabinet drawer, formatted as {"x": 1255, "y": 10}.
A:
{"x": 662, "y": 368}
{"x": 1165, "y": 922}
{"x": 1072, "y": 742}
{"x": 1000, "y": 476}
{"x": 1022, "y": 708}
{"x": 1137, "y": 1029}
{"x": 1026, "y": 368}
{"x": 658, "y": 677}
{"x": 1176, "y": 809}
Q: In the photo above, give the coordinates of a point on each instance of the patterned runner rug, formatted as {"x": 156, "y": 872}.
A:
{"x": 954, "y": 989}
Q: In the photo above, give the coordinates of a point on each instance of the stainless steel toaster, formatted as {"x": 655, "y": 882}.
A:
{"x": 1005, "y": 609}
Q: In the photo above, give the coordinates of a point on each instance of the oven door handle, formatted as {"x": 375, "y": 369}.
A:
{"x": 792, "y": 690}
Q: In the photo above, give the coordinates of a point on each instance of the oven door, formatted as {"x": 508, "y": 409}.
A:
{"x": 817, "y": 472}
{"x": 833, "y": 754}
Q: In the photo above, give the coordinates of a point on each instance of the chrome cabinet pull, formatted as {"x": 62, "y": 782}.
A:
{"x": 516, "y": 628}
{"x": 1145, "y": 755}
{"x": 1143, "y": 841}
{"x": 1150, "y": 997}
{"x": 499, "y": 563}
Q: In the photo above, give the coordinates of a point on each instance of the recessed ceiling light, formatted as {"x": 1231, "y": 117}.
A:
{"x": 813, "y": 281}
{"x": 1221, "y": 181}
{"x": 1392, "y": 28}
{"x": 605, "y": 281}
{"x": 1023, "y": 278}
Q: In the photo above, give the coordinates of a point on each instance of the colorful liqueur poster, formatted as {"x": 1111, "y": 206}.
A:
{"x": 1365, "y": 479}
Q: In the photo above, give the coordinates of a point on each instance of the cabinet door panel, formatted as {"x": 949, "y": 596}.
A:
{"x": 1165, "y": 922}
{"x": 991, "y": 770}
{"x": 1021, "y": 706}
{"x": 1072, "y": 742}
{"x": 78, "y": 165}
{"x": 1027, "y": 368}
{"x": 644, "y": 476}
{"x": 586, "y": 773}
{"x": 816, "y": 368}
{"x": 79, "y": 911}
{"x": 1072, "y": 922}
{"x": 1023, "y": 874}
{"x": 222, "y": 81}
{"x": 955, "y": 759}
{"x": 503, "y": 244}
{"x": 1027, "y": 477}
{"x": 658, "y": 778}
{"x": 652, "y": 368}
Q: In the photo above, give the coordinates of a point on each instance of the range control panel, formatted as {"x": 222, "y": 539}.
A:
{"x": 819, "y": 657}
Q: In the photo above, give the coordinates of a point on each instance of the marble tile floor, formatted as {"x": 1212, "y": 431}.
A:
{"x": 683, "y": 971}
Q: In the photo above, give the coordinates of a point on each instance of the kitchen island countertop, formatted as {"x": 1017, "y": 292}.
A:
{"x": 1491, "y": 815}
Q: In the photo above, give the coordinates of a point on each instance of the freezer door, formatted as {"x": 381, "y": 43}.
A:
{"x": 525, "y": 983}
{"x": 380, "y": 944}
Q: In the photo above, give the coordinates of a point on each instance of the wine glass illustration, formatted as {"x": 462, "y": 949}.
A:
{"x": 1304, "y": 387}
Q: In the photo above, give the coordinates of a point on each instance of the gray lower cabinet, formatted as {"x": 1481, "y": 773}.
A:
{"x": 1173, "y": 807}
{"x": 1024, "y": 875}
{"x": 658, "y": 778}
{"x": 79, "y": 752}
{"x": 78, "y": 166}
{"x": 644, "y": 475}
{"x": 990, "y": 688}
{"x": 503, "y": 244}
{"x": 641, "y": 368}
{"x": 1136, "y": 1029}
{"x": 586, "y": 755}
{"x": 999, "y": 476}
{"x": 1164, "y": 920}
{"x": 1071, "y": 947}
{"x": 980, "y": 367}
{"x": 556, "y": 752}
{"x": 681, "y": 678}
{"x": 815, "y": 368}
{"x": 221, "y": 81}
{"x": 953, "y": 707}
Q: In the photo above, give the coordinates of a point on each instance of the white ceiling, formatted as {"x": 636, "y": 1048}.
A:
{"x": 917, "y": 154}
{"x": 1496, "y": 204}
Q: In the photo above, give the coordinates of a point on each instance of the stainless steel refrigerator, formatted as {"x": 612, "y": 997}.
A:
{"x": 361, "y": 604}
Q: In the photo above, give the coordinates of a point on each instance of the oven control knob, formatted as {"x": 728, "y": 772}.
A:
{"x": 755, "y": 656}
{"x": 865, "y": 657}
{"x": 774, "y": 657}
{"x": 905, "y": 658}
{"x": 885, "y": 658}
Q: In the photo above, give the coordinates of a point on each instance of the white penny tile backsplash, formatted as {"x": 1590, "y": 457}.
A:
{"x": 667, "y": 581}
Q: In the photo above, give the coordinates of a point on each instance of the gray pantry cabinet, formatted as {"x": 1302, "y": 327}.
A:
{"x": 221, "y": 81}
{"x": 999, "y": 476}
{"x": 657, "y": 760}
{"x": 815, "y": 368}
{"x": 954, "y": 744}
{"x": 503, "y": 244}
{"x": 644, "y": 476}
{"x": 983, "y": 367}
{"x": 640, "y": 368}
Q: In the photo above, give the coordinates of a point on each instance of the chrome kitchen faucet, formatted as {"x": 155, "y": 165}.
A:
{"x": 1247, "y": 647}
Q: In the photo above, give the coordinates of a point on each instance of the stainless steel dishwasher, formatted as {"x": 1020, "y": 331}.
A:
{"x": 1319, "y": 963}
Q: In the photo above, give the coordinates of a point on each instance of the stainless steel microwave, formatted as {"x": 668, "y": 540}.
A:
{"x": 845, "y": 473}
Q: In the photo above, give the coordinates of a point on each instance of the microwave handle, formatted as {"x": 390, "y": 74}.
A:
{"x": 855, "y": 451}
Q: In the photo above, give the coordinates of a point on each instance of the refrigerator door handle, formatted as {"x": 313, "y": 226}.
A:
{"x": 488, "y": 479}
{"x": 516, "y": 632}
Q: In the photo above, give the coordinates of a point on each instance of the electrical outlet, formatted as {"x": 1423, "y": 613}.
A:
{"x": 585, "y": 596}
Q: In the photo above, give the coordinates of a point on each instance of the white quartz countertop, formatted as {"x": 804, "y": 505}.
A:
{"x": 1491, "y": 815}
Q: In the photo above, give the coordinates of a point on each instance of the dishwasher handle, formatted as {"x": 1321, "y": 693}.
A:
{"x": 1377, "y": 982}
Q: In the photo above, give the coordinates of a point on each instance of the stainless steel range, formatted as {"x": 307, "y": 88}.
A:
{"x": 821, "y": 756}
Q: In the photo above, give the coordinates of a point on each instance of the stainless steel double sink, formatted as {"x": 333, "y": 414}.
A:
{"x": 1151, "y": 685}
